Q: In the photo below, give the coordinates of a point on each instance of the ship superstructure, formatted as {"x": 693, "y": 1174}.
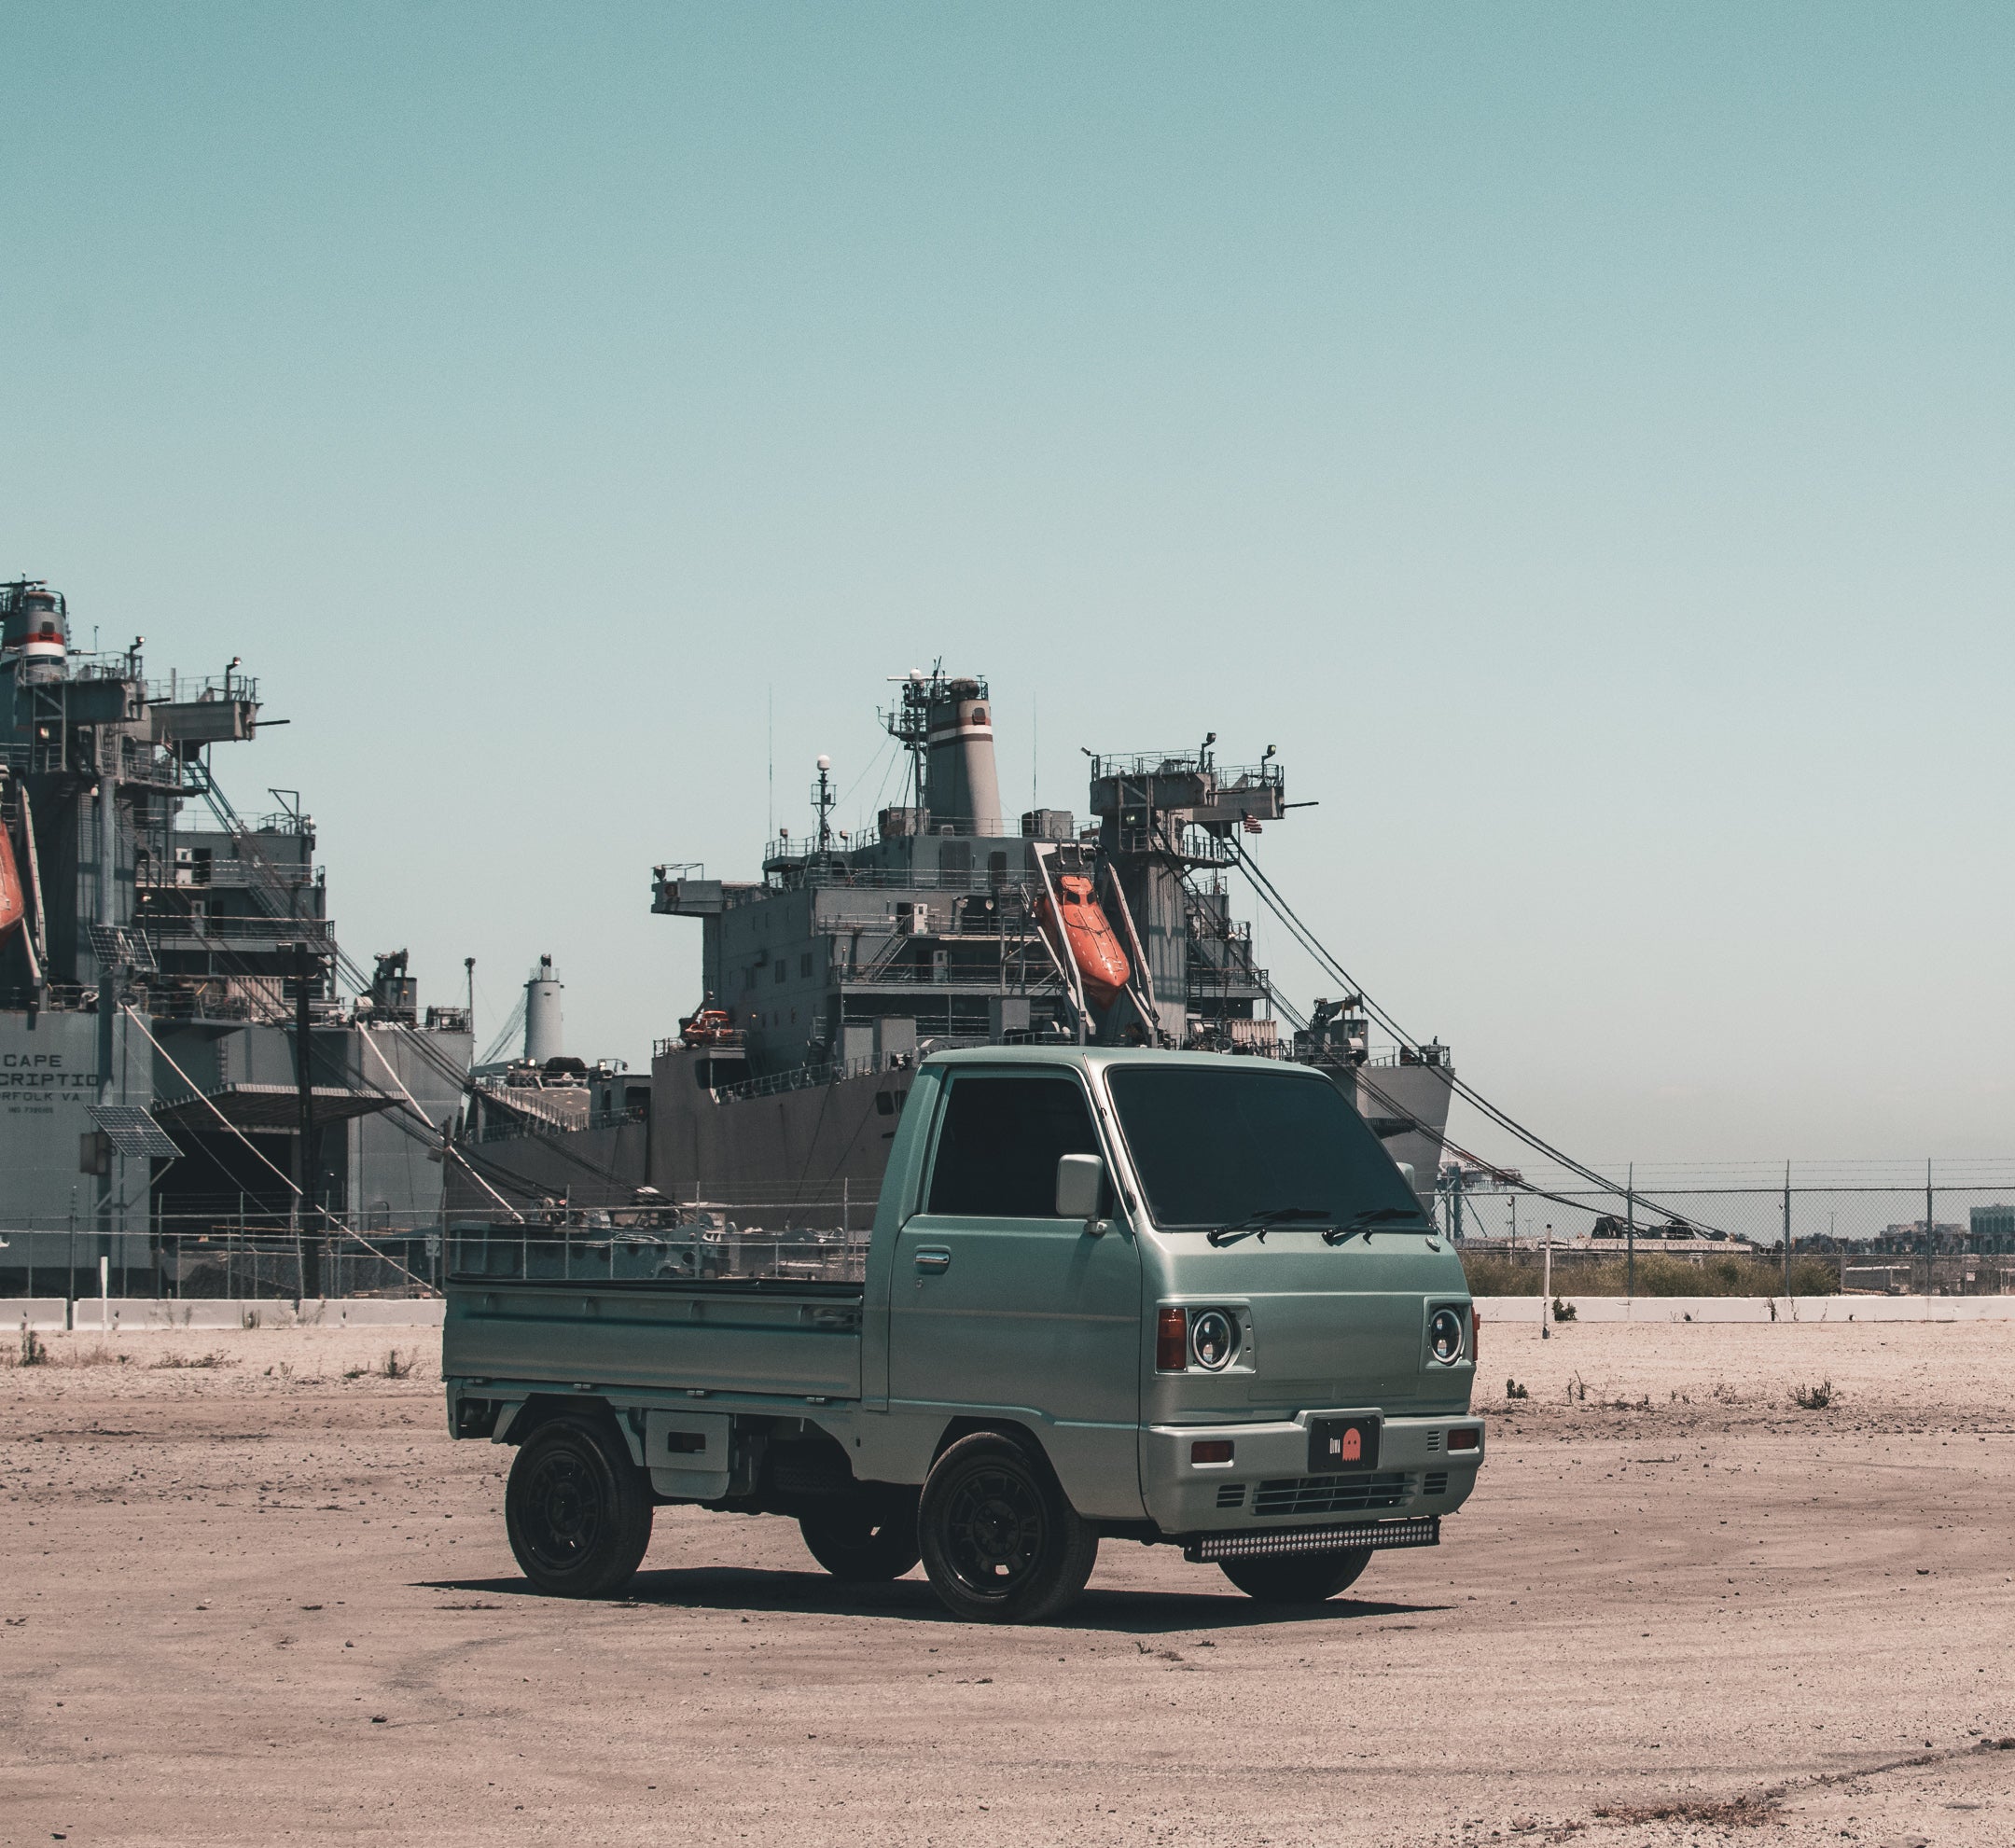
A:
{"x": 172, "y": 965}
{"x": 947, "y": 924}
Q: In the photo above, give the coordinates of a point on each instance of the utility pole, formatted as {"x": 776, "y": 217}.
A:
{"x": 1630, "y": 1230}
{"x": 311, "y": 1246}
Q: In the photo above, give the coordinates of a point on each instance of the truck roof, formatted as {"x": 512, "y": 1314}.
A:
{"x": 1111, "y": 1055}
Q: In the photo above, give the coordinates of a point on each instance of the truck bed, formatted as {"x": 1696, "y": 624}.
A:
{"x": 687, "y": 1311}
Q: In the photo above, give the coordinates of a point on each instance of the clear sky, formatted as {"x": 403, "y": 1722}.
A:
{"x": 1579, "y": 437}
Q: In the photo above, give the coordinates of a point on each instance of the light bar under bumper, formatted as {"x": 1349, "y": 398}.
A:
{"x": 1415, "y": 1530}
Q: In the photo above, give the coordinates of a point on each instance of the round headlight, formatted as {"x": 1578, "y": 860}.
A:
{"x": 1445, "y": 1336}
{"x": 1212, "y": 1340}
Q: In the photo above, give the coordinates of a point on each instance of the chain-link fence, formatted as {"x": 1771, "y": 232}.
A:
{"x": 1665, "y": 1232}
{"x": 252, "y": 1258}
{"x": 1948, "y": 1229}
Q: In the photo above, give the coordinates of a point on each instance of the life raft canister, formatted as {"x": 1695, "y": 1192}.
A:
{"x": 1086, "y": 938}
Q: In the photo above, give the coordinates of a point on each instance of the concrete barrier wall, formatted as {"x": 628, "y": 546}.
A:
{"x": 125, "y": 1313}
{"x": 1529, "y": 1308}
{"x": 45, "y": 1314}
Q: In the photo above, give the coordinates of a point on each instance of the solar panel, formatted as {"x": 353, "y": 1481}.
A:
{"x": 132, "y": 1131}
{"x": 114, "y": 944}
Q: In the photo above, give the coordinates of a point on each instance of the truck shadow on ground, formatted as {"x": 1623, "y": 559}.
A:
{"x": 911, "y": 1600}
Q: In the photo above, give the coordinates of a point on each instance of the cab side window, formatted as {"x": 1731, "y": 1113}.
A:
{"x": 997, "y": 1150}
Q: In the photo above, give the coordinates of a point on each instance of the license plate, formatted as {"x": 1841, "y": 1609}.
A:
{"x": 1336, "y": 1446}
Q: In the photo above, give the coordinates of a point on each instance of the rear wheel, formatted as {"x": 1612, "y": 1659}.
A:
{"x": 1296, "y": 1578}
{"x": 868, "y": 1539}
{"x": 576, "y": 1509}
{"x": 1000, "y": 1542}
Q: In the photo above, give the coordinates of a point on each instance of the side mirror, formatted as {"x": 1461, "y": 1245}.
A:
{"x": 1080, "y": 1180}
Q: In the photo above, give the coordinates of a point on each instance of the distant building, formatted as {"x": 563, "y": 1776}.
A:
{"x": 1910, "y": 1237}
{"x": 1993, "y": 1228}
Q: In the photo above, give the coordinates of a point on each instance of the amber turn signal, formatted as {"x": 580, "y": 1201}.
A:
{"x": 1171, "y": 1340}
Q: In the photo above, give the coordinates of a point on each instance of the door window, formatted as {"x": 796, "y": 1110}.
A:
{"x": 997, "y": 1150}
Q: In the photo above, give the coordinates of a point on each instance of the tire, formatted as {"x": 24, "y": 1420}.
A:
{"x": 578, "y": 1510}
{"x": 1296, "y": 1578}
{"x": 1000, "y": 1542}
{"x": 866, "y": 1540}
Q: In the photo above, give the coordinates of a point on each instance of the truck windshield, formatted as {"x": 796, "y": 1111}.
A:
{"x": 1217, "y": 1148}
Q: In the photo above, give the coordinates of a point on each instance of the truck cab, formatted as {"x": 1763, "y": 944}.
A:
{"x": 1110, "y": 1293}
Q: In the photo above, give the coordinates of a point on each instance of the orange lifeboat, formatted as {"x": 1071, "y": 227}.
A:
{"x": 1088, "y": 933}
{"x": 13, "y": 904}
{"x": 708, "y": 1026}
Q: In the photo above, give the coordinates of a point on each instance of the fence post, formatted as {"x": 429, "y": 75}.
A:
{"x": 1630, "y": 1230}
{"x": 1930, "y": 1226}
{"x": 1788, "y": 1231}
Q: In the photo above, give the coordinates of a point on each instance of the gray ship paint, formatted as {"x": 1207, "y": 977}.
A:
{"x": 850, "y": 958}
{"x": 161, "y": 919}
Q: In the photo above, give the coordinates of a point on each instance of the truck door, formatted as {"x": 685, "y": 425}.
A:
{"x": 1000, "y": 1309}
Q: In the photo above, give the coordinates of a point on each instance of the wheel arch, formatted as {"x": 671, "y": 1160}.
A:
{"x": 1012, "y": 1429}
{"x": 541, "y": 1409}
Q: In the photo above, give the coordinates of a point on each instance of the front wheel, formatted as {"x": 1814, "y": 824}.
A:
{"x": 1000, "y": 1542}
{"x": 1296, "y": 1578}
{"x": 576, "y": 1509}
{"x": 867, "y": 1540}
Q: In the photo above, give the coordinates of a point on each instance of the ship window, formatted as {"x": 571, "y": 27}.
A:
{"x": 804, "y": 963}
{"x": 997, "y": 1151}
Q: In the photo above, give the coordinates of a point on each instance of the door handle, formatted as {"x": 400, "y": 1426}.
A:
{"x": 933, "y": 1258}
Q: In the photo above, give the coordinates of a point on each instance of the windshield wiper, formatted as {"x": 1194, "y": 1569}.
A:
{"x": 1260, "y": 1223}
{"x": 1371, "y": 1216}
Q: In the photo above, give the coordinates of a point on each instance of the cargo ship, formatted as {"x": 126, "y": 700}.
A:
{"x": 190, "y": 1064}
{"x": 946, "y": 924}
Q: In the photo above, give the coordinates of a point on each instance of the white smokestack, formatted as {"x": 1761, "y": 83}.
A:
{"x": 543, "y": 1037}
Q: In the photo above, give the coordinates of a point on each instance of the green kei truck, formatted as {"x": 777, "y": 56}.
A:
{"x": 1183, "y": 1300}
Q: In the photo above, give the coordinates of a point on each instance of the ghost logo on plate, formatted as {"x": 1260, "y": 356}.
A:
{"x": 1342, "y": 1443}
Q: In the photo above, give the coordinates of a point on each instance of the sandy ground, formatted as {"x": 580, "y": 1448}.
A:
{"x": 260, "y": 1601}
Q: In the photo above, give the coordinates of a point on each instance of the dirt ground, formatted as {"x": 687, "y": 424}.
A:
{"x": 263, "y": 1600}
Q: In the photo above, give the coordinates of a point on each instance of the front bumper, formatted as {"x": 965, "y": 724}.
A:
{"x": 1268, "y": 1486}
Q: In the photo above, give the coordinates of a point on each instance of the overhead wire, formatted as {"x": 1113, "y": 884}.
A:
{"x": 1276, "y": 901}
{"x": 292, "y": 1186}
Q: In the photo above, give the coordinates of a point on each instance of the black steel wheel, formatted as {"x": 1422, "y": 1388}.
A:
{"x": 869, "y": 1538}
{"x": 1297, "y": 1578}
{"x": 578, "y": 1510}
{"x": 1000, "y": 1542}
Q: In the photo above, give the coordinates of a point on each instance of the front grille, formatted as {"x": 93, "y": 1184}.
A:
{"x": 1329, "y": 1494}
{"x": 1435, "y": 1484}
{"x": 1230, "y": 1494}
{"x": 1416, "y": 1530}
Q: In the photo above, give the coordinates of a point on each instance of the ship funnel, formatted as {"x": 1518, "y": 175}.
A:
{"x": 961, "y": 785}
{"x": 543, "y": 1038}
{"x": 34, "y": 630}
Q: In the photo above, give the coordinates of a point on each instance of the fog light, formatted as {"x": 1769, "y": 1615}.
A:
{"x": 1211, "y": 1450}
{"x": 1445, "y": 1336}
{"x": 1465, "y": 1440}
{"x": 1212, "y": 1340}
